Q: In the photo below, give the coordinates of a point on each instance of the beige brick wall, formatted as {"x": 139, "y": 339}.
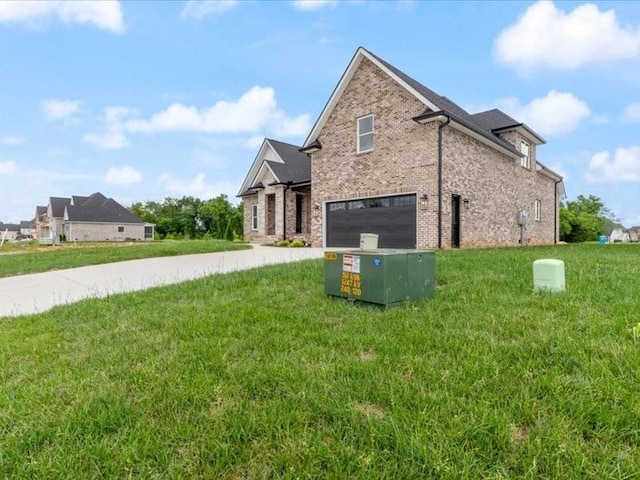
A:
{"x": 276, "y": 216}
{"x": 404, "y": 160}
{"x": 101, "y": 232}
{"x": 496, "y": 187}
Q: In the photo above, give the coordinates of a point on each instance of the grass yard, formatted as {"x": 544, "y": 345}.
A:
{"x": 20, "y": 259}
{"x": 258, "y": 374}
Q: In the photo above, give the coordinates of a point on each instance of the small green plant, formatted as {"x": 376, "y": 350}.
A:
{"x": 297, "y": 243}
{"x": 636, "y": 332}
{"x": 283, "y": 243}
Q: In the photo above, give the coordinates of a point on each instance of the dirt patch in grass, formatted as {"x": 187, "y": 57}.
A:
{"x": 369, "y": 410}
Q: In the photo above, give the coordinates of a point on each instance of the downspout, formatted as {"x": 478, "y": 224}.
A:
{"x": 555, "y": 212}
{"x": 440, "y": 127}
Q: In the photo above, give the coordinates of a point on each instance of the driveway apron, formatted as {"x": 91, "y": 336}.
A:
{"x": 39, "y": 292}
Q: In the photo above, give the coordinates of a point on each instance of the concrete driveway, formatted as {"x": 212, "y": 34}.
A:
{"x": 39, "y": 292}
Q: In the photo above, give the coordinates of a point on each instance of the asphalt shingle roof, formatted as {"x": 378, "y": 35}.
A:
{"x": 495, "y": 120}
{"x": 98, "y": 208}
{"x": 447, "y": 106}
{"x": 57, "y": 206}
{"x": 296, "y": 167}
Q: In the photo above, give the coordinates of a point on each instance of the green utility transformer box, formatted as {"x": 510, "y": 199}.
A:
{"x": 382, "y": 277}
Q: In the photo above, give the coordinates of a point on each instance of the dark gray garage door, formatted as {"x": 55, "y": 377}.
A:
{"x": 392, "y": 218}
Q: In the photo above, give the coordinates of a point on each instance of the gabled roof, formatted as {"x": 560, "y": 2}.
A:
{"x": 57, "y": 206}
{"x": 98, "y": 208}
{"x": 434, "y": 104}
{"x": 497, "y": 121}
{"x": 285, "y": 161}
{"x": 27, "y": 224}
{"x": 78, "y": 200}
{"x": 12, "y": 227}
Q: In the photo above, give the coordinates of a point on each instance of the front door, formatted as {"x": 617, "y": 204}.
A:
{"x": 455, "y": 221}
{"x": 299, "y": 204}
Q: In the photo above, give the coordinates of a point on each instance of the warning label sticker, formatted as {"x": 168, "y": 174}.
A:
{"x": 351, "y": 263}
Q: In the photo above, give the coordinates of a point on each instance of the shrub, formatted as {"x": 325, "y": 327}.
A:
{"x": 297, "y": 243}
{"x": 283, "y": 243}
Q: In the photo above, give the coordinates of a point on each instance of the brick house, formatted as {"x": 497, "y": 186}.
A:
{"x": 92, "y": 218}
{"x": 277, "y": 194}
{"x": 392, "y": 157}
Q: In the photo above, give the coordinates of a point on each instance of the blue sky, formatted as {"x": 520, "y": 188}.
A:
{"x": 146, "y": 100}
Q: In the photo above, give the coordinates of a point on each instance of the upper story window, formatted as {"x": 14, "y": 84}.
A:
{"x": 537, "y": 207}
{"x": 254, "y": 217}
{"x": 525, "y": 161}
{"x": 365, "y": 134}
{"x": 120, "y": 229}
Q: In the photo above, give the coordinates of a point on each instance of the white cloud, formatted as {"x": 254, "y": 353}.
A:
{"x": 104, "y": 14}
{"x": 557, "y": 113}
{"x": 631, "y": 114}
{"x": 56, "y": 109}
{"x": 199, "y": 9}
{"x": 12, "y": 140}
{"x": 107, "y": 141}
{"x": 122, "y": 176}
{"x": 197, "y": 187}
{"x": 546, "y": 37}
{"x": 113, "y": 138}
{"x": 255, "y": 110}
{"x": 622, "y": 166}
{"x": 254, "y": 142}
{"x": 7, "y": 167}
{"x": 309, "y": 5}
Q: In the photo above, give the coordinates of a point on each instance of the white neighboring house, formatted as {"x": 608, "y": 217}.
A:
{"x": 619, "y": 235}
{"x": 9, "y": 231}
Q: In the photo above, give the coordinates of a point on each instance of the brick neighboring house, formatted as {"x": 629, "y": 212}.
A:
{"x": 92, "y": 218}
{"x": 277, "y": 194}
{"x": 392, "y": 157}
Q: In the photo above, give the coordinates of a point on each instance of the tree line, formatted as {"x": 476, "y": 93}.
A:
{"x": 585, "y": 219}
{"x": 190, "y": 217}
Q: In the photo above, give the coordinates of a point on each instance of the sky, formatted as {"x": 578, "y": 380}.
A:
{"x": 143, "y": 100}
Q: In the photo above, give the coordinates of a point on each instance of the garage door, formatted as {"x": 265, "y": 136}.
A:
{"x": 392, "y": 218}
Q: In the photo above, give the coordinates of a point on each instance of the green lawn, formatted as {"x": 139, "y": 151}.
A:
{"x": 258, "y": 374}
{"x": 21, "y": 258}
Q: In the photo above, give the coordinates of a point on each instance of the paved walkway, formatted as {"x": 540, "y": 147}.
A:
{"x": 39, "y": 292}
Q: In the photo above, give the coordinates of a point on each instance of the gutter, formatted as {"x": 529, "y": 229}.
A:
{"x": 440, "y": 127}
{"x": 555, "y": 211}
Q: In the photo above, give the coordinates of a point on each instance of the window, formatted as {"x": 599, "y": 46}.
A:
{"x": 254, "y": 217}
{"x": 525, "y": 161}
{"x": 120, "y": 229}
{"x": 536, "y": 208}
{"x": 365, "y": 134}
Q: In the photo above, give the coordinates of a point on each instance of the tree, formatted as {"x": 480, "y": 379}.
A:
{"x": 191, "y": 217}
{"x": 583, "y": 219}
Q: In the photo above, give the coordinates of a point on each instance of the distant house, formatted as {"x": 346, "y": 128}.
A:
{"x": 90, "y": 218}
{"x": 619, "y": 235}
{"x": 28, "y": 227}
{"x": 9, "y": 231}
{"x": 41, "y": 222}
